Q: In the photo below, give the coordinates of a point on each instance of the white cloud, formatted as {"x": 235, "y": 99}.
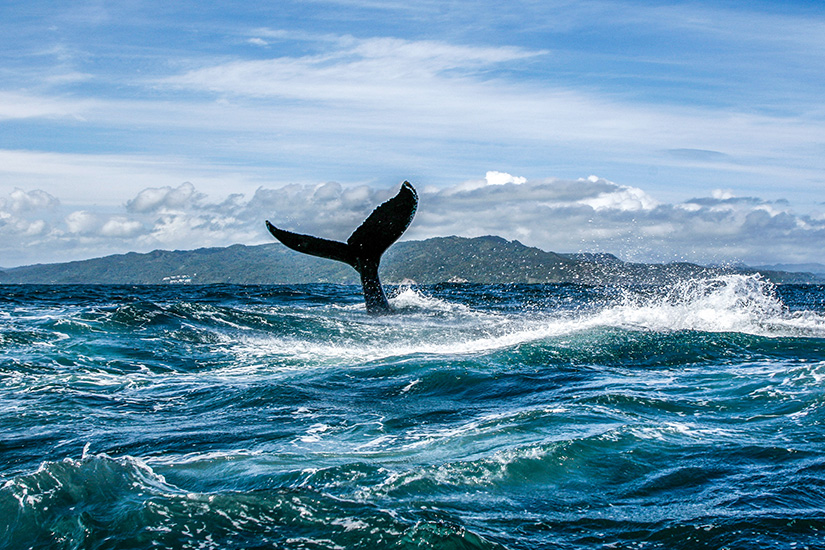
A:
{"x": 16, "y": 105}
{"x": 627, "y": 199}
{"x": 104, "y": 180}
{"x": 437, "y": 55}
{"x": 357, "y": 93}
{"x": 121, "y": 228}
{"x": 23, "y": 217}
{"x": 346, "y": 102}
{"x": 739, "y": 96}
{"x": 82, "y": 221}
{"x": 428, "y": 87}
{"x": 722, "y": 194}
{"x": 594, "y": 214}
{"x": 32, "y": 228}
{"x": 587, "y": 214}
{"x": 26, "y": 201}
{"x": 157, "y": 198}
{"x": 491, "y": 178}
{"x": 503, "y": 178}
{"x": 360, "y": 71}
{"x": 170, "y": 229}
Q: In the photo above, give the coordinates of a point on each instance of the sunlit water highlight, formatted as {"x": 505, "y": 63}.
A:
{"x": 535, "y": 416}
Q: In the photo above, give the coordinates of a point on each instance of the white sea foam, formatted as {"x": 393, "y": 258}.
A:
{"x": 408, "y": 298}
{"x": 434, "y": 327}
{"x": 731, "y": 303}
{"x": 681, "y": 430}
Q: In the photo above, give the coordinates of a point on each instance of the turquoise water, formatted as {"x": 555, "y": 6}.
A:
{"x": 521, "y": 417}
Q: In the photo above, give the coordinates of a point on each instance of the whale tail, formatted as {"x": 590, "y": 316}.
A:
{"x": 366, "y": 245}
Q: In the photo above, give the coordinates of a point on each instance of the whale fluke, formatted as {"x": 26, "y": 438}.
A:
{"x": 366, "y": 245}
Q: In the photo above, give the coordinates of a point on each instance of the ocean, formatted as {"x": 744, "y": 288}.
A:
{"x": 476, "y": 417}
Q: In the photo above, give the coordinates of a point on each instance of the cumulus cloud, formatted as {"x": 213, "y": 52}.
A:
{"x": 121, "y": 227}
{"x": 24, "y": 216}
{"x": 492, "y": 177}
{"x": 502, "y": 178}
{"x": 27, "y": 201}
{"x": 81, "y": 221}
{"x": 594, "y": 214}
{"x": 586, "y": 214}
{"x": 621, "y": 198}
{"x": 157, "y": 198}
{"x": 329, "y": 210}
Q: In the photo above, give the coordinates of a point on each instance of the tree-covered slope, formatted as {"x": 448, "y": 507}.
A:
{"x": 487, "y": 260}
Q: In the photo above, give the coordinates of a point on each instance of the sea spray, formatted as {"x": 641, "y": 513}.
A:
{"x": 515, "y": 416}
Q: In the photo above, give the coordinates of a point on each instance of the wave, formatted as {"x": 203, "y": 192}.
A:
{"x": 429, "y": 326}
{"x": 745, "y": 304}
{"x": 99, "y": 501}
{"x": 525, "y": 416}
{"x": 283, "y": 332}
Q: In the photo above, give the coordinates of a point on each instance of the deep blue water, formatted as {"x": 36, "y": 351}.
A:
{"x": 520, "y": 417}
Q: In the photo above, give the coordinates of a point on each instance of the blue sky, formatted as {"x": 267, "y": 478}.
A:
{"x": 659, "y": 131}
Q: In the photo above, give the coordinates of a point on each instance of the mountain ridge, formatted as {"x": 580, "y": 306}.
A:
{"x": 487, "y": 260}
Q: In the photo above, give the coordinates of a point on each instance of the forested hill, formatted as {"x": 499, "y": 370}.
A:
{"x": 489, "y": 260}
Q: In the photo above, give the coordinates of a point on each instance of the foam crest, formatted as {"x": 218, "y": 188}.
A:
{"x": 746, "y": 304}
{"x": 430, "y": 326}
{"x": 409, "y": 299}
{"x": 398, "y": 339}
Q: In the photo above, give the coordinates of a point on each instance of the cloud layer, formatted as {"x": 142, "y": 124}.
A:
{"x": 432, "y": 91}
{"x": 106, "y": 109}
{"x": 537, "y": 88}
{"x": 586, "y": 214}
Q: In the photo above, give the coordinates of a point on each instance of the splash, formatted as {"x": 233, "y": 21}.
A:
{"x": 746, "y": 304}
{"x": 534, "y": 416}
{"x": 433, "y": 326}
{"x": 407, "y": 299}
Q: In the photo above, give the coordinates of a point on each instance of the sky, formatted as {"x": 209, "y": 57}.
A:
{"x": 657, "y": 131}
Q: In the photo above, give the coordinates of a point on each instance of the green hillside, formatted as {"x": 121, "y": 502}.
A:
{"x": 480, "y": 260}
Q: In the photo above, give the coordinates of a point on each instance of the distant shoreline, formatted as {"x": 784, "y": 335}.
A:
{"x": 486, "y": 260}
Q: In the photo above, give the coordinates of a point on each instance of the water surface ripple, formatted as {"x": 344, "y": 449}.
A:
{"x": 513, "y": 416}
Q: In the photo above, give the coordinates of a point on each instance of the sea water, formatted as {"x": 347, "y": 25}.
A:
{"x": 521, "y": 417}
